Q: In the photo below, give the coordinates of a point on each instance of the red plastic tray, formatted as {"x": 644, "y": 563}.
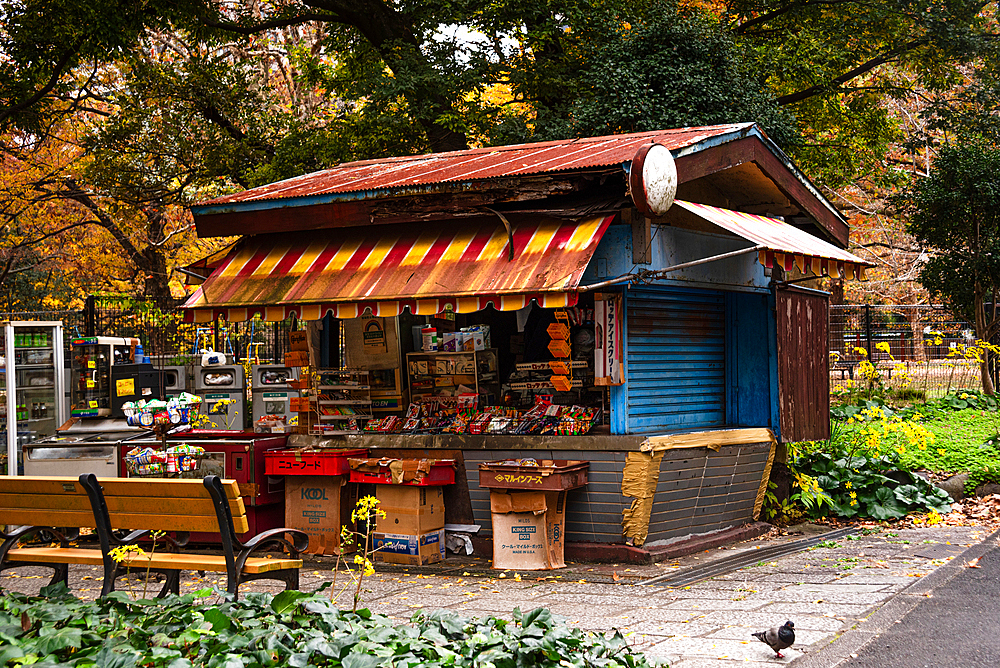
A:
{"x": 310, "y": 462}
{"x": 441, "y": 473}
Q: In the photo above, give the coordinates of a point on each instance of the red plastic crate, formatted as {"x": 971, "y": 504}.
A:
{"x": 310, "y": 462}
{"x": 442, "y": 473}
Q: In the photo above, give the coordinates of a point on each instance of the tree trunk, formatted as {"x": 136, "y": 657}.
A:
{"x": 981, "y": 334}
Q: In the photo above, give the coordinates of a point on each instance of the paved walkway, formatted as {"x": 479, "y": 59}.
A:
{"x": 825, "y": 591}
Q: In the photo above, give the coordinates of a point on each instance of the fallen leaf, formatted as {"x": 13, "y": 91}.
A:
{"x": 973, "y": 564}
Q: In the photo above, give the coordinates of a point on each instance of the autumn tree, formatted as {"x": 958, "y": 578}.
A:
{"x": 955, "y": 212}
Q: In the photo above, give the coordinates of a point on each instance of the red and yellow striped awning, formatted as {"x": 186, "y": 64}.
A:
{"x": 385, "y": 269}
{"x": 785, "y": 246}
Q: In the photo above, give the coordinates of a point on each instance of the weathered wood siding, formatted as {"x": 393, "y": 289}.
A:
{"x": 803, "y": 364}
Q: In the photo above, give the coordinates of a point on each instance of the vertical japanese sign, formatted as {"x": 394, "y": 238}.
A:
{"x": 608, "y": 339}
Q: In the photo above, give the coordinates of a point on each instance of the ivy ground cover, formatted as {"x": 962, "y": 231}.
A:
{"x": 290, "y": 629}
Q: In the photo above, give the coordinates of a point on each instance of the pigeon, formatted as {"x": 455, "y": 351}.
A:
{"x": 778, "y": 637}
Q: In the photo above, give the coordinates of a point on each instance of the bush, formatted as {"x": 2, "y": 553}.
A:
{"x": 290, "y": 629}
{"x": 871, "y": 486}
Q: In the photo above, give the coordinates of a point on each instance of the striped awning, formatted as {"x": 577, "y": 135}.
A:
{"x": 785, "y": 246}
{"x": 384, "y": 269}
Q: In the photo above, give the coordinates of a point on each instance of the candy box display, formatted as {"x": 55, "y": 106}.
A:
{"x": 179, "y": 410}
{"x": 175, "y": 461}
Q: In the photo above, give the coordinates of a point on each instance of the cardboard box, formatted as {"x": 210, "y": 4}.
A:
{"x": 415, "y": 550}
{"x": 298, "y": 341}
{"x": 298, "y": 404}
{"x": 296, "y": 358}
{"x": 320, "y": 506}
{"x": 528, "y": 530}
{"x": 410, "y": 510}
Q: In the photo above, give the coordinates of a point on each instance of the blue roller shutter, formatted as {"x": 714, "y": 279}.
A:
{"x": 676, "y": 359}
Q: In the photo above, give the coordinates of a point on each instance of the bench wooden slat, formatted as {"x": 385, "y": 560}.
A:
{"x": 151, "y": 521}
{"x": 162, "y": 487}
{"x": 47, "y": 518}
{"x": 49, "y": 501}
{"x": 139, "y": 562}
{"x": 134, "y": 504}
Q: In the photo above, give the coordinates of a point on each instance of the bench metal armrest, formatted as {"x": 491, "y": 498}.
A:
{"x": 173, "y": 544}
{"x": 19, "y": 534}
{"x": 299, "y": 540}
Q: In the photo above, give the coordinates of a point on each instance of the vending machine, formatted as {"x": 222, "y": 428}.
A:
{"x": 272, "y": 390}
{"x": 31, "y": 386}
{"x": 223, "y": 391}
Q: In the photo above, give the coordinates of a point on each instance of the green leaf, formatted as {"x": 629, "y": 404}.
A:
{"x": 51, "y": 640}
{"x": 288, "y": 600}
{"x": 358, "y": 660}
{"x": 219, "y": 620}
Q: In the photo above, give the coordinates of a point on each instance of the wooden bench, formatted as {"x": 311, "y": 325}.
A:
{"x": 113, "y": 505}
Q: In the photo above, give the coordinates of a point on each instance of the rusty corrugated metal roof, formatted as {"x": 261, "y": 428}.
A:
{"x": 785, "y": 245}
{"x": 387, "y": 268}
{"x": 406, "y": 172}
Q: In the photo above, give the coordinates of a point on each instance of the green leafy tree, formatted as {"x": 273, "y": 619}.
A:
{"x": 955, "y": 213}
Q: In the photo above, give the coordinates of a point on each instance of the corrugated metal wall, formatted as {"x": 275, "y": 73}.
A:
{"x": 676, "y": 354}
{"x": 703, "y": 490}
{"x": 803, "y": 364}
{"x": 699, "y": 490}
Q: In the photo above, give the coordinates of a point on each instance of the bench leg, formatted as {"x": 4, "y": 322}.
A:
{"x": 60, "y": 572}
{"x": 171, "y": 584}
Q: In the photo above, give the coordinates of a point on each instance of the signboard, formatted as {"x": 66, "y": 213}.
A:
{"x": 373, "y": 335}
{"x": 608, "y": 339}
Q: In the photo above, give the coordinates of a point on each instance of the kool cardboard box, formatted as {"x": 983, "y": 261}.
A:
{"x": 528, "y": 529}
{"x": 413, "y": 550}
{"x": 320, "y": 506}
{"x": 412, "y": 510}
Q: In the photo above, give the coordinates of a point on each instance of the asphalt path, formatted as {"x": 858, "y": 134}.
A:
{"x": 956, "y": 624}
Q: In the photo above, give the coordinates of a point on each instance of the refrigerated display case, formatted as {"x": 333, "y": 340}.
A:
{"x": 32, "y": 386}
{"x": 92, "y": 358}
{"x": 236, "y": 455}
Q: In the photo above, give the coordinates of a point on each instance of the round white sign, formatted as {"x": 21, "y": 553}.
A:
{"x": 653, "y": 179}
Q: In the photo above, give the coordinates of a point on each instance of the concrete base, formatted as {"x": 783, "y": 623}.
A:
{"x": 625, "y": 554}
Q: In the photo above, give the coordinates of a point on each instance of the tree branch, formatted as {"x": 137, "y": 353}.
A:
{"x": 851, "y": 74}
{"x": 58, "y": 70}
{"x": 246, "y": 30}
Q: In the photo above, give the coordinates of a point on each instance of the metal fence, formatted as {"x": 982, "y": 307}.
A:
{"x": 164, "y": 334}
{"x": 923, "y": 341}
{"x": 162, "y": 330}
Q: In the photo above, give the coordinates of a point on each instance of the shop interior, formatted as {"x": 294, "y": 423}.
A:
{"x": 529, "y": 371}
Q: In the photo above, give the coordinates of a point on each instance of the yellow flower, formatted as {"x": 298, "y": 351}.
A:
{"x": 883, "y": 346}
{"x": 848, "y": 484}
{"x": 854, "y": 495}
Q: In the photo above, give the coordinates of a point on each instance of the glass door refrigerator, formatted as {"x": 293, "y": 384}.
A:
{"x": 32, "y": 389}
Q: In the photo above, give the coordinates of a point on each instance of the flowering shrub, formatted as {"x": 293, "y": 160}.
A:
{"x": 871, "y": 486}
{"x": 859, "y": 470}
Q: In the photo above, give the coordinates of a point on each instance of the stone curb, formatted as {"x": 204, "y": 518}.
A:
{"x": 892, "y": 610}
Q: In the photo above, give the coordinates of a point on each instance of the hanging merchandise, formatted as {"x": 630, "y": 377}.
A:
{"x": 560, "y": 348}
